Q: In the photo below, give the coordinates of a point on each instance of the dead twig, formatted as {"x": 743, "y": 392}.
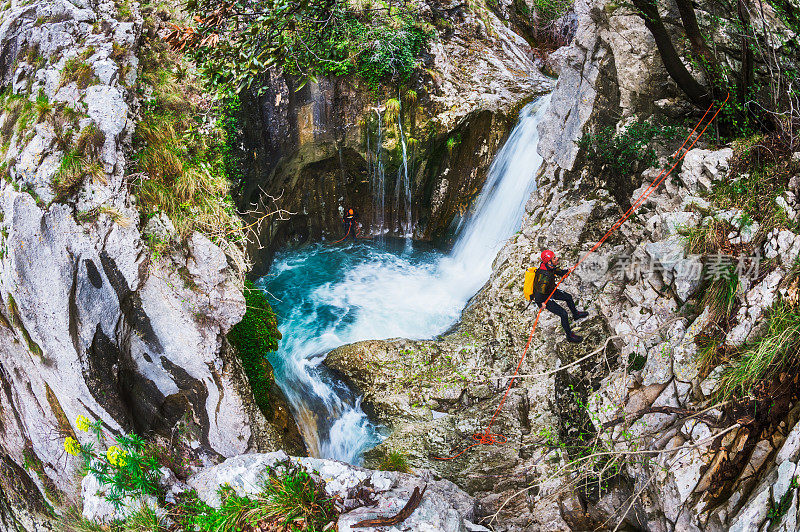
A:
{"x": 706, "y": 418}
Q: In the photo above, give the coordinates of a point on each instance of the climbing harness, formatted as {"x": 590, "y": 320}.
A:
{"x": 487, "y": 437}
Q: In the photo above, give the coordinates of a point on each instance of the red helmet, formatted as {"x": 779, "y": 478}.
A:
{"x": 547, "y": 256}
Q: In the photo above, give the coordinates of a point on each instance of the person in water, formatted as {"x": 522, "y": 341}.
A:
{"x": 350, "y": 224}
{"x": 544, "y": 284}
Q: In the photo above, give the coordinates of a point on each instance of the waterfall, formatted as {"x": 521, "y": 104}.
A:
{"x": 403, "y": 187}
{"x": 499, "y": 208}
{"x": 328, "y": 296}
{"x": 402, "y": 220}
{"x": 376, "y": 171}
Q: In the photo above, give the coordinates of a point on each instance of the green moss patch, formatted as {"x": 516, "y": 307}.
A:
{"x": 253, "y": 337}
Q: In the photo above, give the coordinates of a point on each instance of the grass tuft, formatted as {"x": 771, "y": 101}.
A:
{"x": 72, "y": 173}
{"x": 181, "y": 157}
{"x": 144, "y": 520}
{"x": 13, "y": 107}
{"x": 720, "y": 296}
{"x": 395, "y": 461}
{"x": 776, "y": 350}
{"x": 78, "y": 70}
{"x": 90, "y": 141}
{"x": 43, "y": 106}
{"x": 291, "y": 499}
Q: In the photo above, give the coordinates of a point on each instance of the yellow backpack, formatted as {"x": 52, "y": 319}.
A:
{"x": 530, "y": 278}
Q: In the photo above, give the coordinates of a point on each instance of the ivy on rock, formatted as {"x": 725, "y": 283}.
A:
{"x": 253, "y": 337}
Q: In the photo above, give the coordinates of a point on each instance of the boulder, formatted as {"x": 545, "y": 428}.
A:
{"x": 701, "y": 167}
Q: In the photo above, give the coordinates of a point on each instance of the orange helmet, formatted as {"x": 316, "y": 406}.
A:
{"x": 350, "y": 211}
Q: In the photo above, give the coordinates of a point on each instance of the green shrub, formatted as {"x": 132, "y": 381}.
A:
{"x": 380, "y": 43}
{"x": 290, "y": 497}
{"x": 388, "y": 52}
{"x": 628, "y": 151}
{"x": 395, "y": 461}
{"x": 761, "y": 359}
{"x": 232, "y": 154}
{"x": 253, "y": 337}
{"x": 125, "y": 469}
{"x": 760, "y": 171}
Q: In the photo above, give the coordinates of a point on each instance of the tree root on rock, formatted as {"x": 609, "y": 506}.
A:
{"x": 402, "y": 515}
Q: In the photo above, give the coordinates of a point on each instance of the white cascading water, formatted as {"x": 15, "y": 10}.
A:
{"x": 327, "y": 296}
{"x": 375, "y": 162}
{"x": 403, "y": 188}
{"x": 498, "y": 211}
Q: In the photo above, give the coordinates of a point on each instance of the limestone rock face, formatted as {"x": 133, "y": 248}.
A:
{"x": 92, "y": 323}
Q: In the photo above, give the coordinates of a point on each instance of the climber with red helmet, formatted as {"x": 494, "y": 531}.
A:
{"x": 543, "y": 285}
{"x": 349, "y": 224}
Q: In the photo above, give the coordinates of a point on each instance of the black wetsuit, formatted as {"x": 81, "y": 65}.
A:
{"x": 545, "y": 282}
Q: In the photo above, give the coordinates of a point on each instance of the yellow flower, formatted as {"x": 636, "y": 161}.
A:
{"x": 83, "y": 423}
{"x": 72, "y": 446}
{"x": 116, "y": 456}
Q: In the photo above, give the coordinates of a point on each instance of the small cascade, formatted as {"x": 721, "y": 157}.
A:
{"x": 499, "y": 208}
{"x": 399, "y": 219}
{"x": 402, "y": 201}
{"x": 377, "y": 179}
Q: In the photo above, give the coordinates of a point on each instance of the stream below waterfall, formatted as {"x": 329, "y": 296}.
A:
{"x": 328, "y": 295}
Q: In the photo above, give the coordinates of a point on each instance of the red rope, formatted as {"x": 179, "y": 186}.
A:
{"x": 486, "y": 437}
{"x": 346, "y": 234}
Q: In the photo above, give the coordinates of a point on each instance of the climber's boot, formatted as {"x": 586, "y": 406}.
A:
{"x": 574, "y": 338}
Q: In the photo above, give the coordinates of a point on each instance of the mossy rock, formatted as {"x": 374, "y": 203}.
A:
{"x": 253, "y": 337}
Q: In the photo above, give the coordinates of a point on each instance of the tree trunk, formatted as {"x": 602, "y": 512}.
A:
{"x": 695, "y": 91}
{"x": 746, "y": 74}
{"x": 698, "y": 43}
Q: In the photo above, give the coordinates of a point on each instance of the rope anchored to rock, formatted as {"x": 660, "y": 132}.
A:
{"x": 487, "y": 437}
